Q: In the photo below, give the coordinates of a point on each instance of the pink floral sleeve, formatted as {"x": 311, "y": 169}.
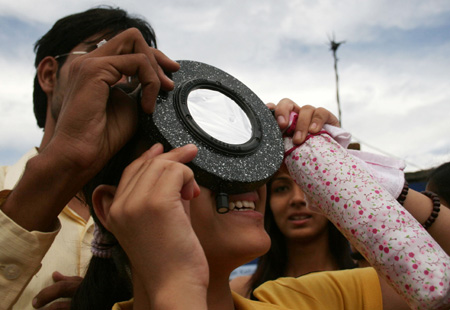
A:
{"x": 383, "y": 231}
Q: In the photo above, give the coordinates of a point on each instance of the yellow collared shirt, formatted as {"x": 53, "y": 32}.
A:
{"x": 28, "y": 259}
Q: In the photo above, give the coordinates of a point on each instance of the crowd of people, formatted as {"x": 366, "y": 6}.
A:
{"x": 99, "y": 216}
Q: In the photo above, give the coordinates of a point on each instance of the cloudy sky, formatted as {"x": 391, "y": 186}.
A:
{"x": 394, "y": 66}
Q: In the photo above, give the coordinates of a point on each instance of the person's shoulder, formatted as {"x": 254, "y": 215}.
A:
{"x": 357, "y": 288}
{"x": 355, "y": 276}
{"x": 241, "y": 285}
{"x": 10, "y": 174}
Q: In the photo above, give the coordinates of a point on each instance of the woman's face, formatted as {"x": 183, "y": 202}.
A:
{"x": 233, "y": 238}
{"x": 289, "y": 207}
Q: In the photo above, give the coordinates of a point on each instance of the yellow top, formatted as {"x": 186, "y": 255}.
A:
{"x": 345, "y": 289}
{"x": 356, "y": 289}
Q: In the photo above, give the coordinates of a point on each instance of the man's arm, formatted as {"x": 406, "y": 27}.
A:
{"x": 96, "y": 120}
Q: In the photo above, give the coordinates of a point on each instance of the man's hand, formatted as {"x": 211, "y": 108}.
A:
{"x": 96, "y": 119}
{"x": 64, "y": 287}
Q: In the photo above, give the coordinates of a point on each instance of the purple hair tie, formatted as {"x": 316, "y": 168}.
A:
{"x": 102, "y": 244}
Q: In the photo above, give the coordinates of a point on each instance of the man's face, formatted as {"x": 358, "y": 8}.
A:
{"x": 62, "y": 77}
{"x": 127, "y": 84}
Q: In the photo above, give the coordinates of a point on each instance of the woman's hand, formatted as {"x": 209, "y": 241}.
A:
{"x": 310, "y": 119}
{"x": 149, "y": 215}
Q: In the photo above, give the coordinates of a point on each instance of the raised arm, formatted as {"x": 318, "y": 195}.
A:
{"x": 168, "y": 264}
{"x": 95, "y": 120}
{"x": 390, "y": 238}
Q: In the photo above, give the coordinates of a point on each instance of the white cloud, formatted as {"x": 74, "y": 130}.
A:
{"x": 394, "y": 91}
{"x": 19, "y": 130}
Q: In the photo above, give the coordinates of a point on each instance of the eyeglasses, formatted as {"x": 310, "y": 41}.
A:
{"x": 80, "y": 52}
{"x": 130, "y": 79}
{"x": 71, "y": 53}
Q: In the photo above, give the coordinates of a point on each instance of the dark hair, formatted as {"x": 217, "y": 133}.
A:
{"x": 439, "y": 182}
{"x": 272, "y": 265}
{"x": 108, "y": 280}
{"x": 72, "y": 30}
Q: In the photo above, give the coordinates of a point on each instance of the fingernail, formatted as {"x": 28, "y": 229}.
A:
{"x": 190, "y": 146}
{"x": 281, "y": 119}
{"x": 313, "y": 126}
{"x": 151, "y": 152}
{"x": 154, "y": 146}
{"x": 34, "y": 302}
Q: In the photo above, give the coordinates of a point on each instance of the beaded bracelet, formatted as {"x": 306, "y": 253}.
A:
{"x": 436, "y": 208}
{"x": 402, "y": 197}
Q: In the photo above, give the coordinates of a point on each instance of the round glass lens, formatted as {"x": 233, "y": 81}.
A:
{"x": 219, "y": 116}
